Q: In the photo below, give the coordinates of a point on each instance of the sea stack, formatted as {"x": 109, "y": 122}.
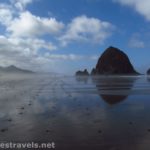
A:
{"x": 114, "y": 62}
{"x": 82, "y": 73}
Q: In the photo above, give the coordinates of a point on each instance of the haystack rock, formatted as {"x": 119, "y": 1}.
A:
{"x": 114, "y": 62}
{"x": 82, "y": 73}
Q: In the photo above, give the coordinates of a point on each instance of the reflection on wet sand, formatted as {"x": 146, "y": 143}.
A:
{"x": 114, "y": 89}
{"x": 148, "y": 78}
{"x": 113, "y": 99}
{"x": 83, "y": 79}
{"x": 50, "y": 109}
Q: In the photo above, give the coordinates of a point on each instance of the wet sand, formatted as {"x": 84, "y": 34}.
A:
{"x": 76, "y": 113}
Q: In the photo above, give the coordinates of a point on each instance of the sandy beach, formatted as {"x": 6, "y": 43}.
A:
{"x": 75, "y": 113}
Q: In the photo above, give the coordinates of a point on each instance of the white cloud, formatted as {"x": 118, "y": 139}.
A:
{"x": 72, "y": 57}
{"x": 21, "y": 4}
{"x": 28, "y": 25}
{"x": 141, "y": 6}
{"x": 33, "y": 43}
{"x": 63, "y": 56}
{"x": 24, "y": 45}
{"x": 135, "y": 42}
{"x": 6, "y": 14}
{"x": 21, "y": 52}
{"x": 84, "y": 29}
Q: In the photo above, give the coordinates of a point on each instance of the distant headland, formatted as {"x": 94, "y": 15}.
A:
{"x": 13, "y": 69}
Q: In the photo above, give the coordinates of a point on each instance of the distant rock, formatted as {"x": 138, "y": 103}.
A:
{"x": 82, "y": 73}
{"x": 13, "y": 69}
{"x": 114, "y": 62}
{"x": 148, "y": 72}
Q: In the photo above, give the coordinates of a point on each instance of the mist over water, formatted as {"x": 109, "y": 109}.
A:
{"x": 76, "y": 112}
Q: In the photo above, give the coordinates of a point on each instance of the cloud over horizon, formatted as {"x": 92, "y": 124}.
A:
{"x": 29, "y": 39}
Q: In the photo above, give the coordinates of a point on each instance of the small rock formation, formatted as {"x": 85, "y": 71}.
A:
{"x": 82, "y": 73}
{"x": 148, "y": 72}
{"x": 114, "y": 62}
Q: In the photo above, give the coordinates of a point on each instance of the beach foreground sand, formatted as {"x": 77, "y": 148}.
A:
{"x": 75, "y": 113}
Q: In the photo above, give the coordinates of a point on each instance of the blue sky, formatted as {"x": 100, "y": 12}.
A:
{"x": 67, "y": 35}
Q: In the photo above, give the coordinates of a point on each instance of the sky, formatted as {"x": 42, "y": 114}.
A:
{"x": 64, "y": 36}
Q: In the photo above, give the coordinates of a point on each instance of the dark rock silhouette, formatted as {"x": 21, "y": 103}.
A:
{"x": 148, "y": 72}
{"x": 82, "y": 73}
{"x": 114, "y": 62}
